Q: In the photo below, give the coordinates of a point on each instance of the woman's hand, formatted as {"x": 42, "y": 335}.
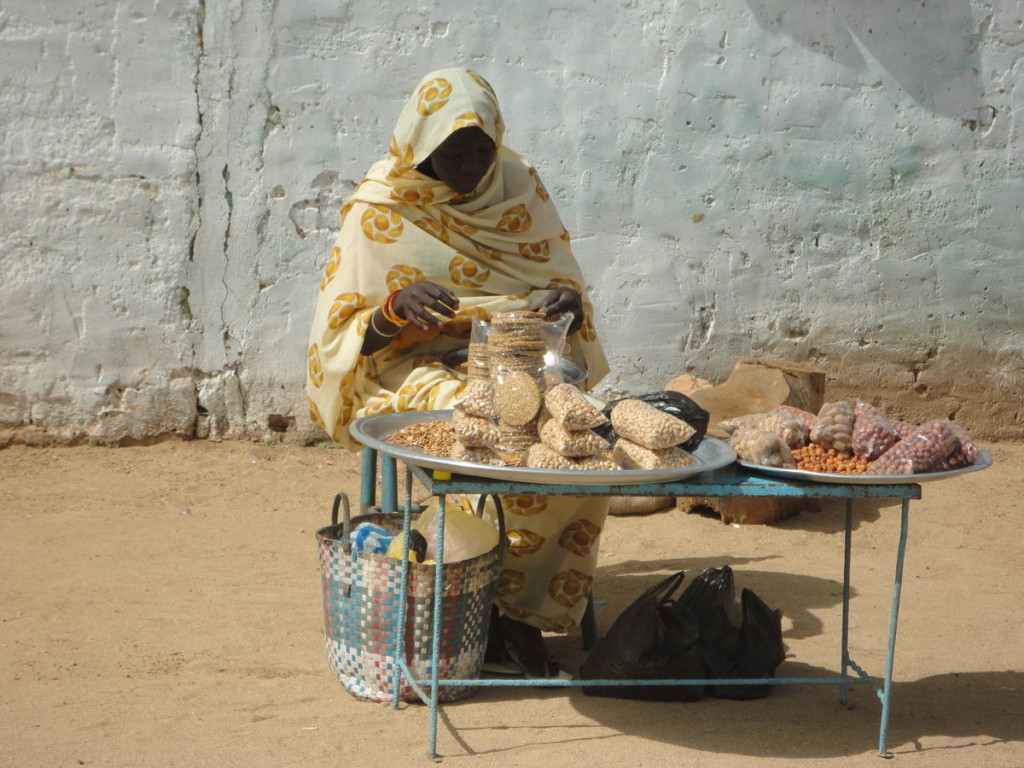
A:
{"x": 413, "y": 304}
{"x": 421, "y": 302}
{"x": 560, "y": 301}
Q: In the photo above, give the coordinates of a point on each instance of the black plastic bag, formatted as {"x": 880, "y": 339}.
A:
{"x": 710, "y": 597}
{"x": 745, "y": 646}
{"x": 675, "y": 403}
{"x": 653, "y": 639}
{"x": 759, "y": 651}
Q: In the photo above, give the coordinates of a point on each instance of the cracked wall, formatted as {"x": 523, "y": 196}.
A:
{"x": 745, "y": 178}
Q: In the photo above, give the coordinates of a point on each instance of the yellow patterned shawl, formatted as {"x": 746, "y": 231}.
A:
{"x": 501, "y": 248}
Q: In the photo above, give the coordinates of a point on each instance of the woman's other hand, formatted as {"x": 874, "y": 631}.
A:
{"x": 560, "y": 301}
{"x": 421, "y": 302}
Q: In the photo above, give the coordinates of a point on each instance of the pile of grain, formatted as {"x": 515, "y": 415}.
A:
{"x": 433, "y": 437}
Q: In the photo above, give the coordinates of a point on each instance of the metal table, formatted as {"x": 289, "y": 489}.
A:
{"x": 733, "y": 480}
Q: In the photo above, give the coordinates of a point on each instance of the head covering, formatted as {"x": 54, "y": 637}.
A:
{"x": 499, "y": 248}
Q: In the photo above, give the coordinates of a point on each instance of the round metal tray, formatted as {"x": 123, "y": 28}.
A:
{"x": 373, "y": 432}
{"x": 984, "y": 462}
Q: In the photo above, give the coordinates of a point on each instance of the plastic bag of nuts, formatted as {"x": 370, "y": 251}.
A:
{"x": 645, "y": 425}
{"x": 873, "y": 433}
{"x": 539, "y": 456}
{"x": 964, "y": 454}
{"x": 833, "y": 427}
{"x": 574, "y": 443}
{"x": 571, "y": 409}
{"x": 460, "y": 452}
{"x": 738, "y": 422}
{"x": 630, "y": 455}
{"x": 788, "y": 426}
{"x": 902, "y": 428}
{"x": 596, "y": 463}
{"x": 477, "y": 399}
{"x": 806, "y": 417}
{"x": 473, "y": 431}
{"x": 920, "y": 451}
{"x": 764, "y": 448}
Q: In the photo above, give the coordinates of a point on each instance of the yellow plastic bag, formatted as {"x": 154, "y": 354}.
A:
{"x": 465, "y": 535}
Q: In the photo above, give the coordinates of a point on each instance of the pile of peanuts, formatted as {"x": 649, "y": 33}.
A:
{"x": 814, "y": 458}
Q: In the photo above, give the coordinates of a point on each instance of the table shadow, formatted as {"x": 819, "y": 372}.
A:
{"x": 617, "y": 585}
{"x": 804, "y": 721}
{"x": 969, "y": 709}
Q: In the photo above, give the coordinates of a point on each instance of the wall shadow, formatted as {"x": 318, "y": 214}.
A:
{"x": 930, "y": 50}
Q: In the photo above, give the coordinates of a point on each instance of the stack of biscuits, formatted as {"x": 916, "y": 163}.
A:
{"x": 516, "y": 346}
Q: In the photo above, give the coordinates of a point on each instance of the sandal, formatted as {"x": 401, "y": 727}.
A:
{"x": 524, "y": 644}
{"x": 497, "y": 660}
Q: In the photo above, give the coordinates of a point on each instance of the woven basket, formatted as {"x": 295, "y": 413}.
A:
{"x": 361, "y": 594}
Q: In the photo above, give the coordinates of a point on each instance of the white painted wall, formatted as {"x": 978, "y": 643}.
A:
{"x": 838, "y": 181}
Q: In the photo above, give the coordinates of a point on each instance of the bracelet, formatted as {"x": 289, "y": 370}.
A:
{"x": 377, "y": 330}
{"x": 389, "y": 312}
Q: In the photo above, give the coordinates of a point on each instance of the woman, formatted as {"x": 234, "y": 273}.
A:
{"x": 453, "y": 226}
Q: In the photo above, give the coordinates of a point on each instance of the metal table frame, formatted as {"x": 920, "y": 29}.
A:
{"x": 729, "y": 481}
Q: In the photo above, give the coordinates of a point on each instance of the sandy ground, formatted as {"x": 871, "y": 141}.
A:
{"x": 161, "y": 606}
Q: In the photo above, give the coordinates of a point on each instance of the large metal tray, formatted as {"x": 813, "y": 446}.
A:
{"x": 984, "y": 461}
{"x": 373, "y": 432}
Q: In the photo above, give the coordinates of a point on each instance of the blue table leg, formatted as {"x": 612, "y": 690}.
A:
{"x": 844, "y": 688}
{"x": 435, "y": 651}
{"x": 368, "y": 481}
{"x": 402, "y": 609}
{"x": 893, "y": 620}
{"x": 388, "y": 485}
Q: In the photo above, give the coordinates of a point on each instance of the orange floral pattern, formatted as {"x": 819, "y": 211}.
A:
{"x": 522, "y": 542}
{"x": 579, "y": 537}
{"x": 314, "y": 413}
{"x": 433, "y": 227}
{"x": 515, "y": 219}
{"x": 381, "y": 224}
{"x": 333, "y": 262}
{"x": 525, "y": 504}
{"x": 570, "y": 587}
{"x": 542, "y": 191}
{"x": 343, "y": 307}
{"x": 401, "y": 276}
{"x": 315, "y": 368}
{"x": 463, "y": 228}
{"x": 403, "y": 155}
{"x": 466, "y": 120}
{"x": 467, "y": 272}
{"x": 539, "y": 251}
{"x": 510, "y": 582}
{"x": 432, "y": 96}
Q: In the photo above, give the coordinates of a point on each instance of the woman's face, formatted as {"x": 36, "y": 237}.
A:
{"x": 463, "y": 159}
